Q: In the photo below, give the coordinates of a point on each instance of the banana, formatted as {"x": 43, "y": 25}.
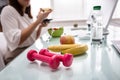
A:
{"x": 77, "y": 50}
{"x": 59, "y": 48}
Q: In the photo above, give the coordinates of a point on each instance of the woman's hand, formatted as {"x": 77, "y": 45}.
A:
{"x": 44, "y": 24}
{"x": 42, "y": 15}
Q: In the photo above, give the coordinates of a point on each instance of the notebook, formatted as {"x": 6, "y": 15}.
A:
{"x": 116, "y": 44}
{"x": 107, "y": 8}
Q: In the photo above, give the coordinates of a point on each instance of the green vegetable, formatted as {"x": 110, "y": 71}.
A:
{"x": 56, "y": 33}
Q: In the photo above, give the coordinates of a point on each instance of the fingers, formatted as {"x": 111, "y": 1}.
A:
{"x": 44, "y": 24}
{"x": 43, "y": 14}
{"x": 46, "y": 9}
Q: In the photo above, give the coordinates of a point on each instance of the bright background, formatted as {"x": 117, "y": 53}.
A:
{"x": 68, "y": 9}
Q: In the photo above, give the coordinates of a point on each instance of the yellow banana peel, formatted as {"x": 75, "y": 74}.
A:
{"x": 78, "y": 50}
{"x": 75, "y": 49}
{"x": 59, "y": 48}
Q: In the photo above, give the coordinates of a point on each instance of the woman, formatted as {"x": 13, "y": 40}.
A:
{"x": 3, "y": 3}
{"x": 18, "y": 27}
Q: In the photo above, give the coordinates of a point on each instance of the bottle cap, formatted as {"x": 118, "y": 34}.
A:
{"x": 96, "y": 7}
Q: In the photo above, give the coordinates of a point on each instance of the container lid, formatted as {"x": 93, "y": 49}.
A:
{"x": 96, "y": 7}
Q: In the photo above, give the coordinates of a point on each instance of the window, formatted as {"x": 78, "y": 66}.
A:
{"x": 68, "y": 9}
{"x": 37, "y": 4}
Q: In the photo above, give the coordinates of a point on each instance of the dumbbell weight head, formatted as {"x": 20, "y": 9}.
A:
{"x": 29, "y": 55}
{"x": 54, "y": 62}
{"x": 66, "y": 58}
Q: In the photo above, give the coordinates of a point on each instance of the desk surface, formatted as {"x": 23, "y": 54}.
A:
{"x": 99, "y": 63}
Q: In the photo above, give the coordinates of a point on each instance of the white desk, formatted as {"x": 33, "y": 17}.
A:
{"x": 99, "y": 63}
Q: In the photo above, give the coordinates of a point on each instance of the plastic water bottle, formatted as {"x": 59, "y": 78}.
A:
{"x": 90, "y": 22}
{"x": 91, "y": 19}
{"x": 97, "y": 27}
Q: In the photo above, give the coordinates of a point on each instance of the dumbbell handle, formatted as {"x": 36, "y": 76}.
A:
{"x": 47, "y": 53}
{"x": 41, "y": 57}
{"x": 50, "y": 54}
{"x": 53, "y": 61}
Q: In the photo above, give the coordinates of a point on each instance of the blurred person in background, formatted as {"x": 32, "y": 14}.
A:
{"x": 19, "y": 28}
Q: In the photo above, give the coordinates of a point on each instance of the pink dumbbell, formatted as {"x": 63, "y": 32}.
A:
{"x": 66, "y": 58}
{"x": 53, "y": 61}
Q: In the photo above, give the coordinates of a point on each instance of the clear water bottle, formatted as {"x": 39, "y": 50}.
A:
{"x": 91, "y": 19}
{"x": 89, "y": 22}
{"x": 97, "y": 27}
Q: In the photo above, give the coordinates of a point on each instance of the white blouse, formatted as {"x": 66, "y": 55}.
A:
{"x": 12, "y": 24}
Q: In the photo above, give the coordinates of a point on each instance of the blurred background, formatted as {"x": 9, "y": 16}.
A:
{"x": 64, "y": 10}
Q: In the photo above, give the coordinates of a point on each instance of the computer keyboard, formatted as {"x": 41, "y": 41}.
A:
{"x": 116, "y": 44}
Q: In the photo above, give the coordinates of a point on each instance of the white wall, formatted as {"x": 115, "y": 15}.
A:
{"x": 93, "y": 2}
{"x": 117, "y": 10}
{"x": 69, "y": 9}
{"x": 37, "y": 4}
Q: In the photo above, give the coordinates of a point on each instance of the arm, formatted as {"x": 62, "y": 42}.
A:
{"x": 43, "y": 24}
{"x": 28, "y": 31}
{"x": 39, "y": 31}
{"x": 25, "y": 33}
